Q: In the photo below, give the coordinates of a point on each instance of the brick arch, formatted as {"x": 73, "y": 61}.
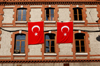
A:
{"x": 26, "y": 44}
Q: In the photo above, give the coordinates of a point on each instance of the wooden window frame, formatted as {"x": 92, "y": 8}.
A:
{"x": 78, "y": 13}
{"x": 20, "y": 44}
{"x": 49, "y": 45}
{"x": 80, "y": 44}
{"x": 49, "y": 19}
{"x": 21, "y": 13}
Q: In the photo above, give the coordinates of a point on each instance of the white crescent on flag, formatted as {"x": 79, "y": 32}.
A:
{"x": 35, "y": 27}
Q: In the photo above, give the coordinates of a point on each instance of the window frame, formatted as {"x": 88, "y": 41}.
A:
{"x": 50, "y": 14}
{"x": 50, "y": 44}
{"x": 21, "y": 13}
{"x": 20, "y": 44}
{"x": 77, "y": 9}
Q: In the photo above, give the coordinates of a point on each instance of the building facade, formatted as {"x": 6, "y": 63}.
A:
{"x": 14, "y": 18}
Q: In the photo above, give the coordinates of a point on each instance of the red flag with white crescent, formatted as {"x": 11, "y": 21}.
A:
{"x": 35, "y": 32}
{"x": 64, "y": 32}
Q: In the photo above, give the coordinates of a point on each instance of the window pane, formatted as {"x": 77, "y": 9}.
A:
{"x": 23, "y": 43}
{"x": 47, "y": 11}
{"x": 80, "y": 17}
{"x": 47, "y": 37}
{"x": 20, "y": 37}
{"x": 22, "y": 49}
{"x": 17, "y": 48}
{"x": 50, "y": 36}
{"x": 24, "y": 17}
{"x": 80, "y": 11}
{"x": 19, "y": 17}
{"x": 52, "y": 17}
{"x": 77, "y": 43}
{"x": 82, "y": 49}
{"x": 82, "y": 43}
{"x": 24, "y": 12}
{"x": 77, "y": 49}
{"x": 52, "y": 43}
{"x": 52, "y": 11}
{"x": 75, "y": 17}
{"x": 75, "y": 11}
{"x": 47, "y": 49}
{"x": 47, "y": 17}
{"x": 19, "y": 12}
{"x": 47, "y": 43}
{"x": 18, "y": 43}
{"x": 52, "y": 49}
{"x": 79, "y": 36}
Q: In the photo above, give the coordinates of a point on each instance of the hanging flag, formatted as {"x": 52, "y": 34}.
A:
{"x": 35, "y": 32}
{"x": 64, "y": 32}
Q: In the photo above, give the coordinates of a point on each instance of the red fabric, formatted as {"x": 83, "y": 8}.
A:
{"x": 35, "y": 32}
{"x": 64, "y": 32}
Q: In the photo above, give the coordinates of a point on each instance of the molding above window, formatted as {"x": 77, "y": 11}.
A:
{"x": 81, "y": 53}
{"x": 50, "y": 54}
{"x": 19, "y": 54}
{"x": 49, "y": 21}
{"x": 78, "y": 21}
{"x": 20, "y": 21}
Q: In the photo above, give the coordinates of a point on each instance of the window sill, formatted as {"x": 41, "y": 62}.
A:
{"x": 20, "y": 21}
{"x": 78, "y": 21}
{"x": 49, "y": 21}
{"x": 81, "y": 53}
{"x": 50, "y": 54}
{"x": 19, "y": 54}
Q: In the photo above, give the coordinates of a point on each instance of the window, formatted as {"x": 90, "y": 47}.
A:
{"x": 78, "y": 14}
{"x": 19, "y": 46}
{"x": 49, "y": 14}
{"x": 79, "y": 41}
{"x": 21, "y": 14}
{"x": 49, "y": 43}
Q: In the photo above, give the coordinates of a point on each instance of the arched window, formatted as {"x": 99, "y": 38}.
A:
{"x": 49, "y": 43}
{"x": 80, "y": 42}
{"x": 19, "y": 46}
{"x": 49, "y": 14}
{"x": 21, "y": 14}
{"x": 78, "y": 14}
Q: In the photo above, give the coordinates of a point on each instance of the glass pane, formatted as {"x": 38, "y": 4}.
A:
{"x": 20, "y": 37}
{"x": 80, "y": 11}
{"x": 18, "y": 43}
{"x": 75, "y": 11}
{"x": 77, "y": 49}
{"x": 22, "y": 49}
{"x": 77, "y": 43}
{"x": 47, "y": 49}
{"x": 17, "y": 48}
{"x": 50, "y": 36}
{"x": 75, "y": 17}
{"x": 82, "y": 49}
{"x": 24, "y": 17}
{"x": 82, "y": 43}
{"x": 52, "y": 49}
{"x": 47, "y": 43}
{"x": 47, "y": 17}
{"x": 19, "y": 17}
{"x": 79, "y": 36}
{"x": 24, "y": 12}
{"x": 80, "y": 17}
{"x": 23, "y": 43}
{"x": 52, "y": 11}
{"x": 47, "y": 11}
{"x": 52, "y": 17}
{"x": 52, "y": 43}
{"x": 47, "y": 37}
{"x": 19, "y": 12}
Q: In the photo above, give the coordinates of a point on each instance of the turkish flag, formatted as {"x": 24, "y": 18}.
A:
{"x": 64, "y": 32}
{"x": 35, "y": 32}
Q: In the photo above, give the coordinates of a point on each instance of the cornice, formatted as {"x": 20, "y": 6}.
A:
{"x": 51, "y": 2}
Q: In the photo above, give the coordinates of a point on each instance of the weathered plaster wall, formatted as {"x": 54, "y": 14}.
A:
{"x": 91, "y": 15}
{"x": 8, "y": 15}
{"x": 35, "y": 49}
{"x": 64, "y": 14}
{"x": 65, "y": 49}
{"x": 35, "y": 14}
